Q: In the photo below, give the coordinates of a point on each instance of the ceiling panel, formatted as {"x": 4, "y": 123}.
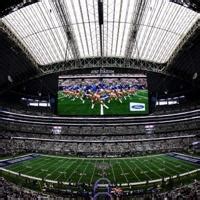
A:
{"x": 44, "y": 29}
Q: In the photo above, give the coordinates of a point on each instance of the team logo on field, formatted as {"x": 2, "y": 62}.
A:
{"x": 136, "y": 106}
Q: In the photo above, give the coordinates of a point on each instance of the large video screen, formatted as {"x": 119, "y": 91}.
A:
{"x": 102, "y": 96}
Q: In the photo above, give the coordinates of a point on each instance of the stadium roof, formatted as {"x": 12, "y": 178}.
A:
{"x": 58, "y": 30}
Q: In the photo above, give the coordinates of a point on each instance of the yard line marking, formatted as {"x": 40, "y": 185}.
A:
{"x": 41, "y": 163}
{"x": 158, "y": 168}
{"x": 103, "y": 169}
{"x": 23, "y": 163}
{"x": 72, "y": 162}
{"x": 122, "y": 172}
{"x": 41, "y": 167}
{"x": 55, "y": 162}
{"x": 83, "y": 172}
{"x": 93, "y": 172}
{"x": 141, "y": 169}
{"x": 168, "y": 163}
{"x": 47, "y": 161}
{"x": 171, "y": 160}
{"x": 51, "y": 163}
{"x": 131, "y": 170}
{"x": 56, "y": 170}
{"x": 153, "y": 171}
{"x": 175, "y": 163}
{"x": 174, "y": 160}
{"x": 35, "y": 166}
{"x": 113, "y": 172}
{"x": 69, "y": 177}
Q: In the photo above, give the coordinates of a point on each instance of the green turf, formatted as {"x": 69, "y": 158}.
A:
{"x": 69, "y": 106}
{"x": 117, "y": 170}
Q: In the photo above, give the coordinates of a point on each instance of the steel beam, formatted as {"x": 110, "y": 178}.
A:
{"x": 136, "y": 21}
{"x": 107, "y": 62}
{"x": 65, "y": 20}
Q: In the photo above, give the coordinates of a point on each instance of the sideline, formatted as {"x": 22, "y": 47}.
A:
{"x": 101, "y": 185}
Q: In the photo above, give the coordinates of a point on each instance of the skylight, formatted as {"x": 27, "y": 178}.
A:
{"x": 58, "y": 30}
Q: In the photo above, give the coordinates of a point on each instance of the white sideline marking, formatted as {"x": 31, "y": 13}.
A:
{"x": 102, "y": 185}
{"x": 99, "y": 158}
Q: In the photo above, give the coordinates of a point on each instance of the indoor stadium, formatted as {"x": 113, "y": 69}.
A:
{"x": 100, "y": 99}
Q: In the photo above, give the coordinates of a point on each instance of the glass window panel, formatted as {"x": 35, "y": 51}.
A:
{"x": 121, "y": 37}
{"x": 77, "y": 11}
{"x": 70, "y": 10}
{"x": 131, "y": 7}
{"x": 78, "y": 38}
{"x": 114, "y": 40}
{"x": 83, "y": 39}
{"x": 117, "y": 10}
{"x": 162, "y": 28}
{"x": 84, "y": 11}
{"x": 94, "y": 51}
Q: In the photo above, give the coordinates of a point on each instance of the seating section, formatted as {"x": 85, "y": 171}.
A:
{"x": 11, "y": 191}
{"x": 90, "y": 148}
{"x": 150, "y": 134}
{"x": 96, "y": 140}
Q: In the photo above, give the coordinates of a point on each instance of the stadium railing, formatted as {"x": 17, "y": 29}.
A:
{"x": 82, "y": 121}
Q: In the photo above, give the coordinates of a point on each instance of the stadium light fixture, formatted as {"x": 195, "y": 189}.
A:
{"x": 10, "y": 79}
{"x": 149, "y": 129}
{"x": 56, "y": 130}
{"x": 195, "y": 75}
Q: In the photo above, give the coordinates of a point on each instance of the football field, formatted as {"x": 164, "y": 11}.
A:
{"x": 89, "y": 170}
{"x": 76, "y": 106}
